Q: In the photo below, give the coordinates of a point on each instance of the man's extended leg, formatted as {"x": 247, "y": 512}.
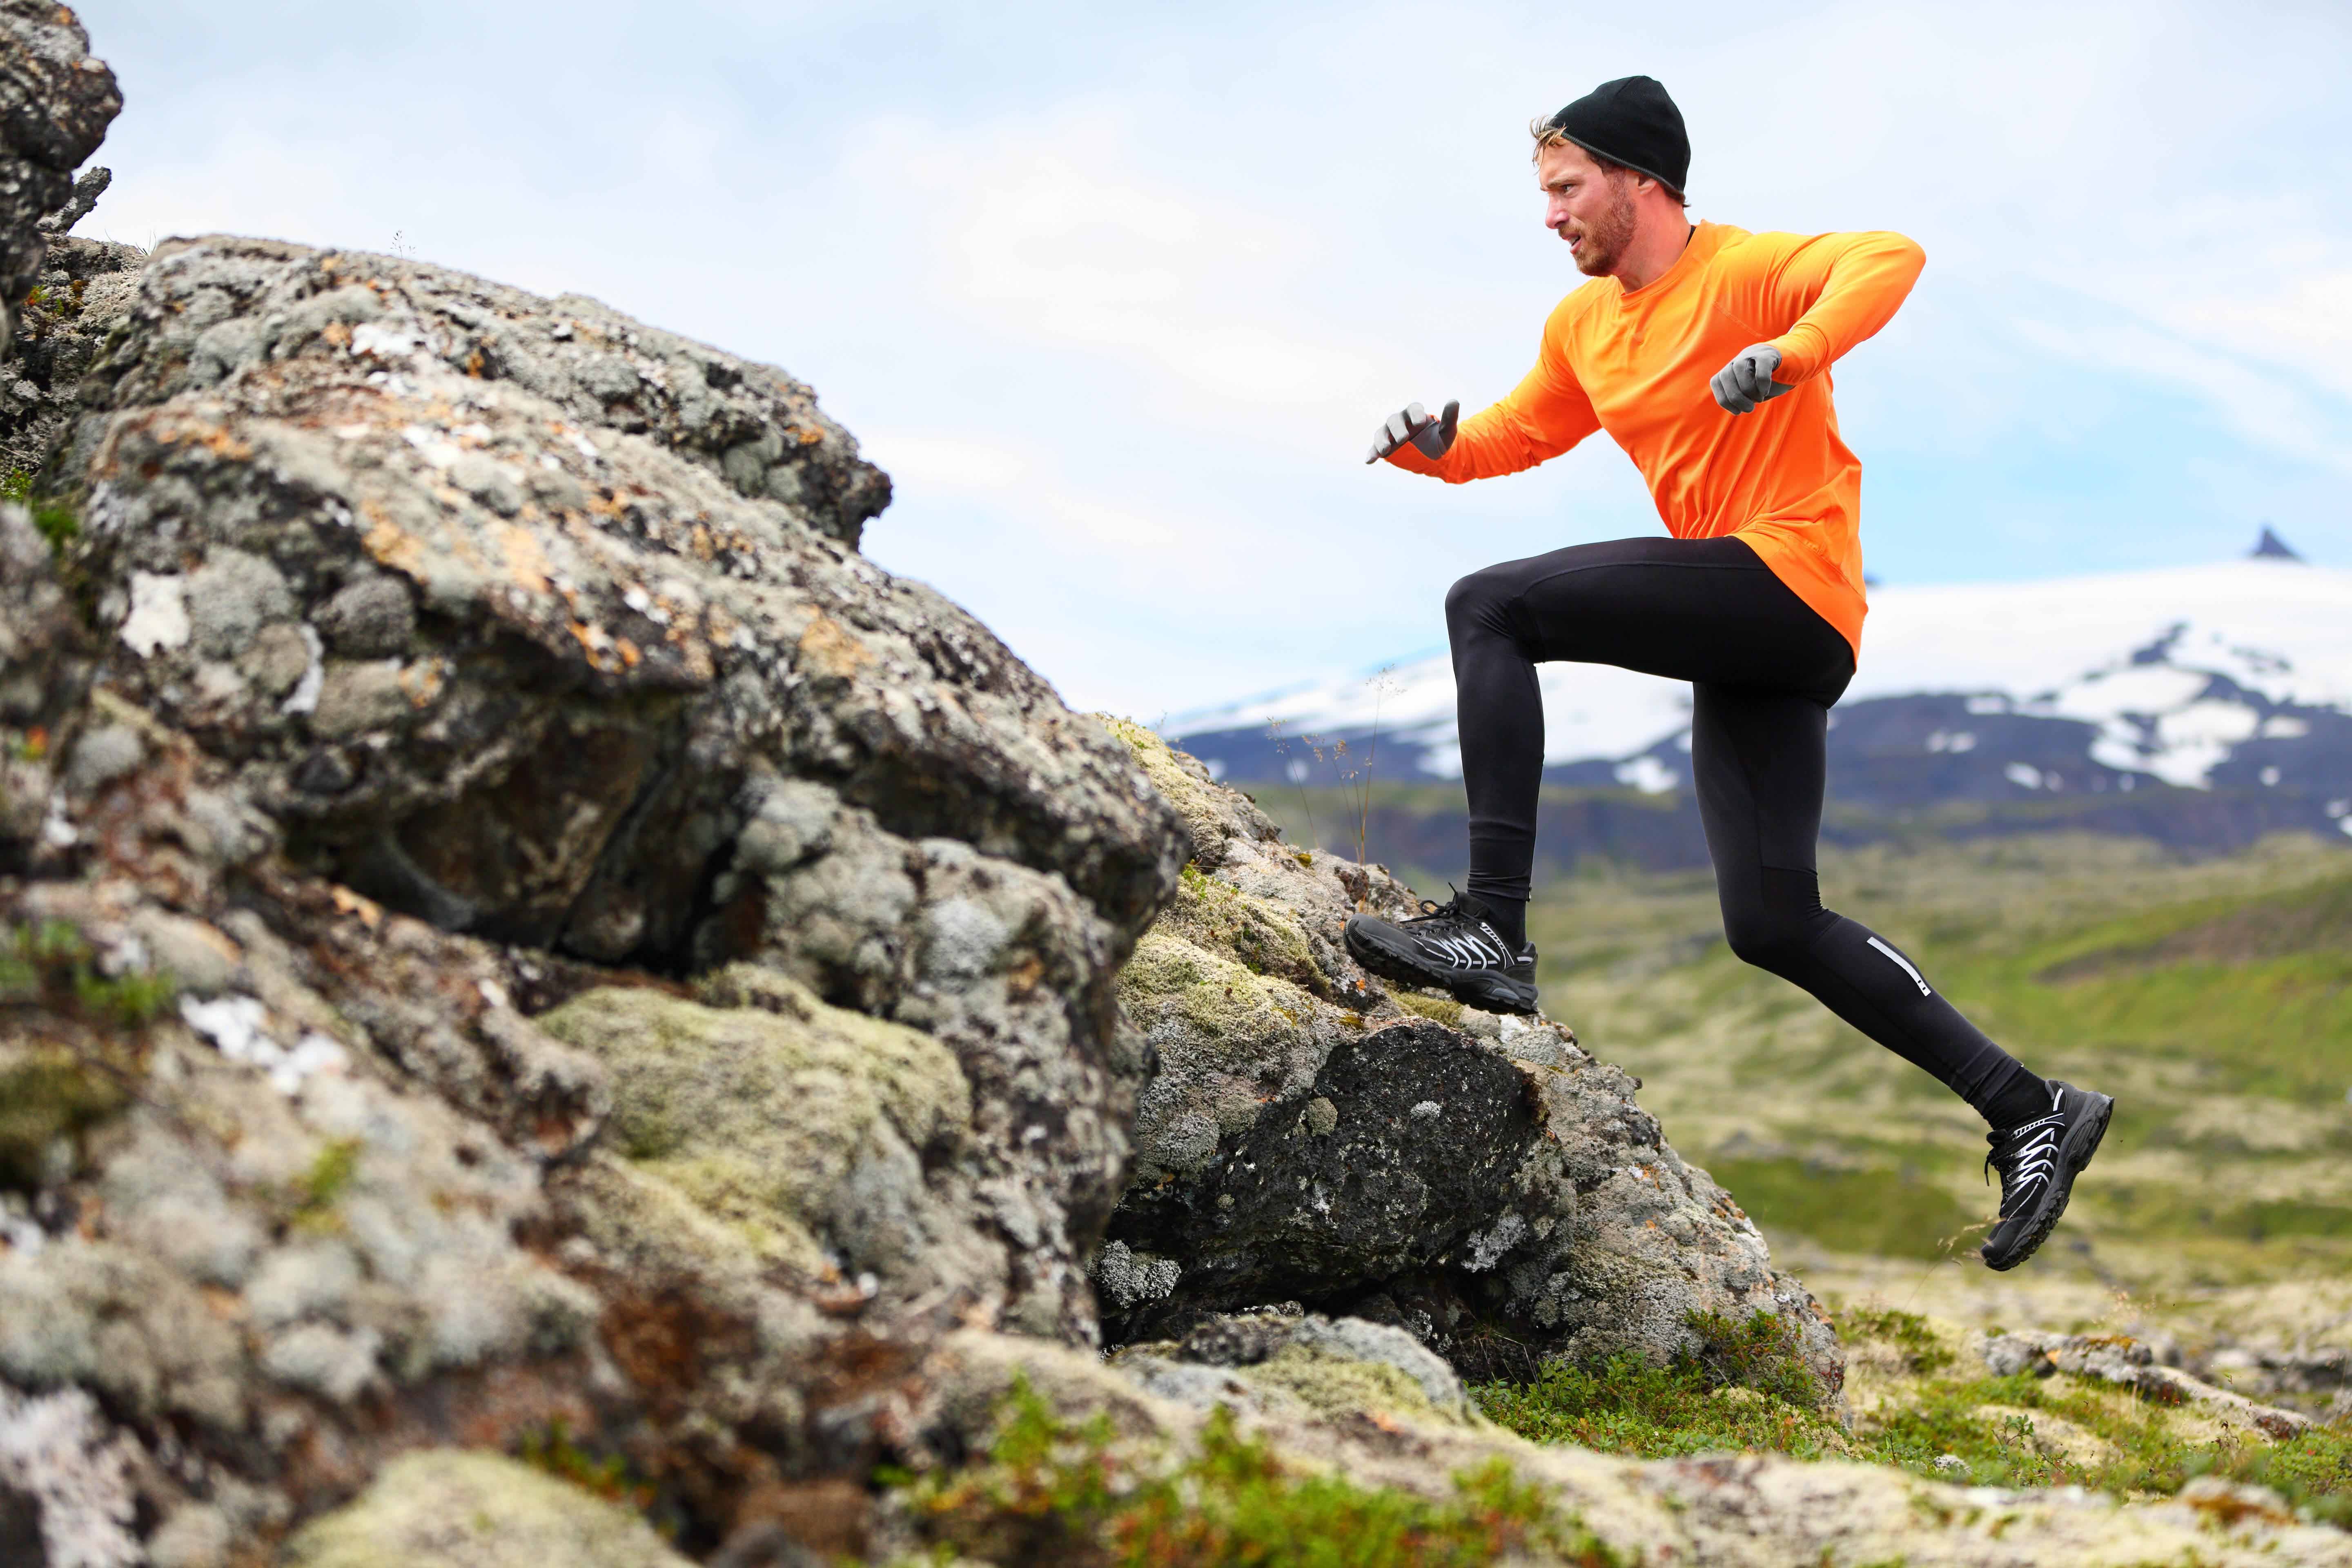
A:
{"x": 1759, "y": 763}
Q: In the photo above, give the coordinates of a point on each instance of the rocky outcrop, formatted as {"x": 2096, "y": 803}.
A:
{"x": 56, "y": 102}
{"x": 84, "y": 288}
{"x": 514, "y": 932}
{"x": 1308, "y": 1136}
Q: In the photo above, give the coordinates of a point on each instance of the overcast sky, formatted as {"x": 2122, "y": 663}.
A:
{"x": 1117, "y": 294}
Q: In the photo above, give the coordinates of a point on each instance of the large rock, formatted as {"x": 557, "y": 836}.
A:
{"x": 1307, "y": 1136}
{"x": 540, "y": 624}
{"x": 56, "y": 102}
{"x": 583, "y": 955}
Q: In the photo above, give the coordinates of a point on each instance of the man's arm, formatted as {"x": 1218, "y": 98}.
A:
{"x": 1544, "y": 415}
{"x": 1833, "y": 289}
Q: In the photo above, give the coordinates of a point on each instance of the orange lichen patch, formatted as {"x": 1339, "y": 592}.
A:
{"x": 422, "y": 682}
{"x": 392, "y": 545}
{"x": 337, "y": 333}
{"x": 369, "y": 913}
{"x": 829, "y": 649}
{"x": 211, "y": 437}
{"x": 527, "y": 564}
{"x": 630, "y": 654}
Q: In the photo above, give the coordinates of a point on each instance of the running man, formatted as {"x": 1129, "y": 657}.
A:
{"x": 1705, "y": 351}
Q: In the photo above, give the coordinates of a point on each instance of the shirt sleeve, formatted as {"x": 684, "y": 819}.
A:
{"x": 1543, "y": 416}
{"x": 1824, "y": 293}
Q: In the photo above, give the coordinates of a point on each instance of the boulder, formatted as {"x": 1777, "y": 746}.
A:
{"x": 583, "y": 959}
{"x": 542, "y": 626}
{"x": 56, "y": 102}
{"x": 1311, "y": 1134}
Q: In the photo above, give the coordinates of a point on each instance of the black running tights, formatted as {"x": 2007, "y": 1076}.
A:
{"x": 1764, "y": 669}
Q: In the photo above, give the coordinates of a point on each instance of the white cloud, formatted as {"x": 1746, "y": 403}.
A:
{"x": 1118, "y": 295}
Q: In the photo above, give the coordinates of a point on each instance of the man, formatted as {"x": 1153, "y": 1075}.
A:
{"x": 1705, "y": 351}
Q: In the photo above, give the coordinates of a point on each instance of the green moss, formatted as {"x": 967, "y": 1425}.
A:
{"x": 16, "y": 484}
{"x": 323, "y": 1184}
{"x": 1743, "y": 1386}
{"x": 1437, "y": 1009}
{"x": 51, "y": 1096}
{"x": 1907, "y": 1331}
{"x": 1051, "y": 1491}
{"x": 1223, "y": 1004}
{"x": 485, "y": 1511}
{"x": 553, "y": 1452}
{"x": 50, "y": 965}
{"x": 755, "y": 1113}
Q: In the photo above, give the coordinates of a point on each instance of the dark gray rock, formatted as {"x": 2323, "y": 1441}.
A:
{"x": 1405, "y": 1152}
{"x": 56, "y": 102}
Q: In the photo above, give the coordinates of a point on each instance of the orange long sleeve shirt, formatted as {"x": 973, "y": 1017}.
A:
{"x": 1636, "y": 363}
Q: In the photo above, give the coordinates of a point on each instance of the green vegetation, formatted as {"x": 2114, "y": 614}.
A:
{"x": 51, "y": 964}
{"x": 323, "y": 1184}
{"x": 1908, "y": 1332}
{"x": 553, "y": 1452}
{"x": 57, "y": 521}
{"x": 2213, "y": 998}
{"x": 1743, "y": 1387}
{"x": 1855, "y": 1209}
{"x": 1051, "y": 1491}
{"x": 1931, "y": 1418}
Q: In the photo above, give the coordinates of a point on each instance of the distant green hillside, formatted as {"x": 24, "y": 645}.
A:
{"x": 2213, "y": 999}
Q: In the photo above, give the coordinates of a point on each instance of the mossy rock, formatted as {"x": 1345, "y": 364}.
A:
{"x": 1208, "y": 820}
{"x": 1258, "y": 933}
{"x": 761, "y": 1113}
{"x": 456, "y": 1509}
{"x": 1436, "y": 1009}
{"x": 46, "y": 1097}
{"x": 1239, "y": 1016}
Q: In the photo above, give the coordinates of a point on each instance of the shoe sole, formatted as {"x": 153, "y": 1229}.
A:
{"x": 2080, "y": 1142}
{"x": 1490, "y": 989}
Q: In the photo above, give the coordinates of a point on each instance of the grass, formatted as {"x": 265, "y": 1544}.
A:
{"x": 1931, "y": 1418}
{"x": 2213, "y": 998}
{"x": 1742, "y": 1388}
{"x": 1054, "y": 1491}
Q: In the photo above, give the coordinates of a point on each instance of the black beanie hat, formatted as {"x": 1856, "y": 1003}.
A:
{"x": 1631, "y": 121}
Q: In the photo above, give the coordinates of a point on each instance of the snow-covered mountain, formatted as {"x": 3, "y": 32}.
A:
{"x": 2230, "y": 678}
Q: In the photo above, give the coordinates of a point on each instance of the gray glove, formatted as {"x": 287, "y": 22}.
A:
{"x": 1412, "y": 424}
{"x": 1748, "y": 381}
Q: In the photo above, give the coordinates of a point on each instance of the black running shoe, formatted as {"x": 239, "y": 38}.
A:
{"x": 1451, "y": 945}
{"x": 2038, "y": 1164}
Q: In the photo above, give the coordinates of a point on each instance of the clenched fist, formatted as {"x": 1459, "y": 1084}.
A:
{"x": 1748, "y": 381}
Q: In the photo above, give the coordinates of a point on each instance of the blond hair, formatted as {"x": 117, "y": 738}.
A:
{"x": 1548, "y": 135}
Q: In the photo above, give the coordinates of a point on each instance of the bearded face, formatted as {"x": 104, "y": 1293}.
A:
{"x": 1598, "y": 243}
{"x": 1587, "y": 206}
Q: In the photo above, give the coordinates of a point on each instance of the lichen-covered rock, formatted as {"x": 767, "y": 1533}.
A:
{"x": 66, "y": 1494}
{"x": 458, "y": 1510}
{"x": 1336, "y": 1368}
{"x": 834, "y": 1145}
{"x": 56, "y": 102}
{"x": 1725, "y": 1511}
{"x": 46, "y": 661}
{"x": 84, "y": 288}
{"x": 1307, "y": 1134}
{"x": 479, "y": 597}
